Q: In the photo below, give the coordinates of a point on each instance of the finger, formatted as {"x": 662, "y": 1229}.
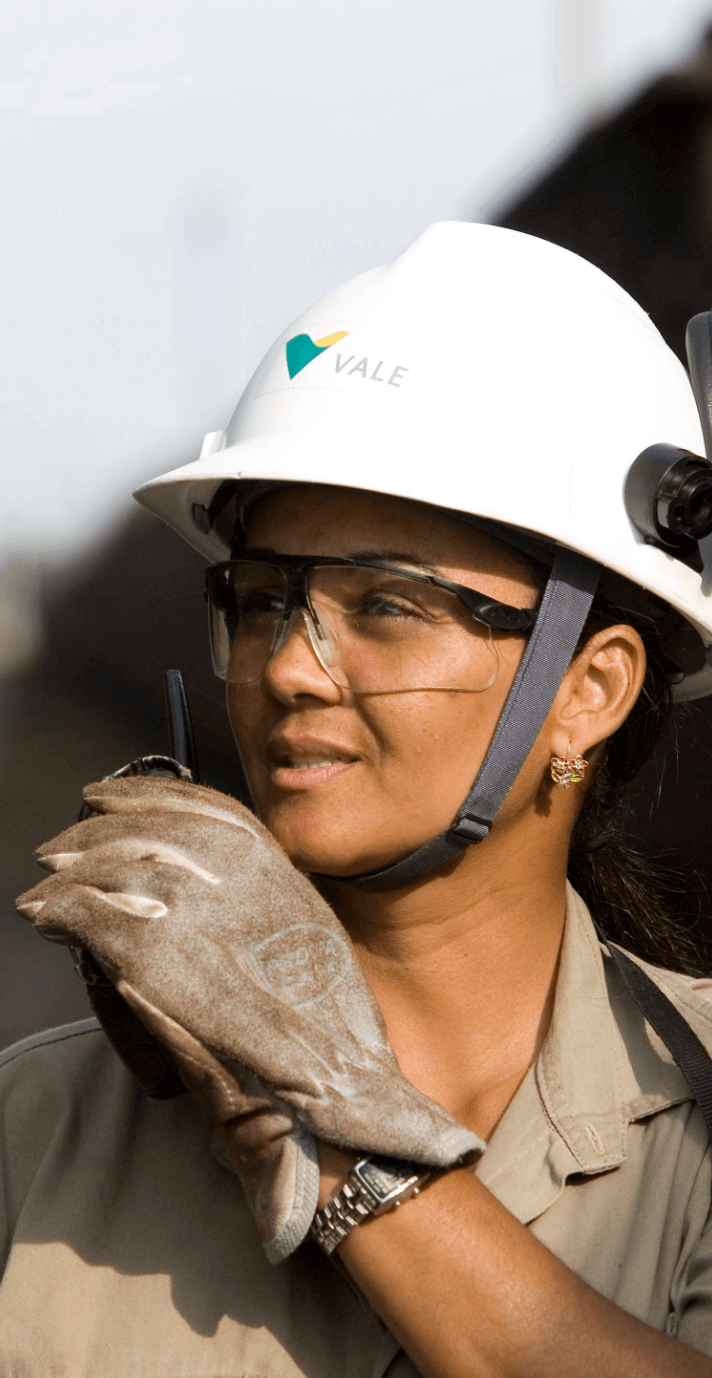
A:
{"x": 140, "y": 879}
{"x": 91, "y": 832}
{"x": 26, "y": 907}
{"x": 62, "y": 917}
{"x": 97, "y": 832}
{"x": 103, "y": 916}
{"x": 29, "y": 903}
{"x": 123, "y": 851}
{"x": 198, "y": 835}
{"x": 104, "y": 893}
{"x": 32, "y": 900}
{"x": 138, "y": 794}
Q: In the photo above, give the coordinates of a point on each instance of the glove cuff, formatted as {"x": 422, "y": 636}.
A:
{"x": 299, "y": 1216}
{"x": 284, "y": 1204}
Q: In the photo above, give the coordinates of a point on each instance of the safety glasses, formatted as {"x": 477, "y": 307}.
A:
{"x": 374, "y": 627}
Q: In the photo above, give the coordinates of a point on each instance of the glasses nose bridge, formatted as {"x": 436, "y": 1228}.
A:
{"x": 297, "y": 593}
{"x": 298, "y": 611}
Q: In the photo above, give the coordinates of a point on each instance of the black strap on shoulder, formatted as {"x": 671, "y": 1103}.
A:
{"x": 680, "y": 1040}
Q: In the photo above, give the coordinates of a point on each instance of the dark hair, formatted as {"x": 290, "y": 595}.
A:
{"x": 634, "y": 901}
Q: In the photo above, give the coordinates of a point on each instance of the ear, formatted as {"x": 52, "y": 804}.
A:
{"x": 598, "y": 690}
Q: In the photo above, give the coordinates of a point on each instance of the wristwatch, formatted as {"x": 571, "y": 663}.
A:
{"x": 374, "y": 1185}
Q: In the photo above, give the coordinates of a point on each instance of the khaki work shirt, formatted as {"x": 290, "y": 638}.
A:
{"x": 129, "y": 1252}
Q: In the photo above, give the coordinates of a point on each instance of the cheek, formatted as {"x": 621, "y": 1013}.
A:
{"x": 251, "y": 724}
{"x": 438, "y": 740}
{"x": 431, "y": 743}
{"x": 420, "y": 753}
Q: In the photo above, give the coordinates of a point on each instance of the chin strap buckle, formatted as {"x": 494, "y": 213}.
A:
{"x": 471, "y": 828}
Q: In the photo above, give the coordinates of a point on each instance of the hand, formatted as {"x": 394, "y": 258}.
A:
{"x": 232, "y": 959}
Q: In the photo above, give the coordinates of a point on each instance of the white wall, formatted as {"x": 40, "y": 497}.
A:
{"x": 180, "y": 179}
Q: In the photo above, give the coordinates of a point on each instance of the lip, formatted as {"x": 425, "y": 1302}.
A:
{"x": 290, "y": 778}
{"x": 285, "y": 777}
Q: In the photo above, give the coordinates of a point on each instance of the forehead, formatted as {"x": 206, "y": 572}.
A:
{"x": 314, "y": 519}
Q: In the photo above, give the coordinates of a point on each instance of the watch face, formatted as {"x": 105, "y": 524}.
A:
{"x": 383, "y": 1176}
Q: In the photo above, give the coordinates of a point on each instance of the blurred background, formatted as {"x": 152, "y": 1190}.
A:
{"x": 182, "y": 179}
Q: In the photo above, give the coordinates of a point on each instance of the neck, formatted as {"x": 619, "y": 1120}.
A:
{"x": 463, "y": 966}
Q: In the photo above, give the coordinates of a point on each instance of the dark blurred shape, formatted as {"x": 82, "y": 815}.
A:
{"x": 89, "y": 704}
{"x": 634, "y": 196}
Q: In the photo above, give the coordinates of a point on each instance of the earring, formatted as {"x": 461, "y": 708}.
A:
{"x": 568, "y": 770}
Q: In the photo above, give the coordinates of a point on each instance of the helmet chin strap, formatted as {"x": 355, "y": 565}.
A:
{"x": 564, "y": 608}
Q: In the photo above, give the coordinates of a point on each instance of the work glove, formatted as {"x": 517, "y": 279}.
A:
{"x": 233, "y": 961}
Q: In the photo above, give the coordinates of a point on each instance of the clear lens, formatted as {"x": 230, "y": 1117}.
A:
{"x": 247, "y": 603}
{"x": 375, "y": 631}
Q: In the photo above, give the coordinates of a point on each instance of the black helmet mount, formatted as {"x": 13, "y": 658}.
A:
{"x": 668, "y": 497}
{"x": 668, "y": 491}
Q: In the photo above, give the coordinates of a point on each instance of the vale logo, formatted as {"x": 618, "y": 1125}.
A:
{"x": 301, "y": 349}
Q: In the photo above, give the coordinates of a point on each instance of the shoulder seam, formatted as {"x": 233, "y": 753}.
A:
{"x": 679, "y": 988}
{"x": 62, "y": 1034}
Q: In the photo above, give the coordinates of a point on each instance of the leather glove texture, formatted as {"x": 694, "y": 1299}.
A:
{"x": 233, "y": 961}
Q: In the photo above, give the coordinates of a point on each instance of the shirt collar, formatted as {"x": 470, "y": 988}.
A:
{"x": 572, "y": 1111}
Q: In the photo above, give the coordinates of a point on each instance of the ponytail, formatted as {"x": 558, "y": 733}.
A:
{"x": 635, "y": 902}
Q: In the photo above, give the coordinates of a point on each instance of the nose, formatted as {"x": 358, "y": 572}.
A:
{"x": 294, "y": 667}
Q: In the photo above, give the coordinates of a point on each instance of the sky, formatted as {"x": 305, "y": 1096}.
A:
{"x": 182, "y": 179}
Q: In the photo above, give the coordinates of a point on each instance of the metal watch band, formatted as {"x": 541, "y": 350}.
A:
{"x": 355, "y": 1202}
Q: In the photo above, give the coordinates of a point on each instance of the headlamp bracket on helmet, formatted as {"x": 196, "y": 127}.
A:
{"x": 668, "y": 491}
{"x": 668, "y": 497}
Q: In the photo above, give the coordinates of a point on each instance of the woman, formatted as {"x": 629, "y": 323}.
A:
{"x": 431, "y": 569}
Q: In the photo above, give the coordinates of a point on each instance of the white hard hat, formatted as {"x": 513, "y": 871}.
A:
{"x": 503, "y": 378}
{"x": 484, "y": 371}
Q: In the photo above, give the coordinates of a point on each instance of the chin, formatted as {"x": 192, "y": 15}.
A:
{"x": 320, "y": 849}
{"x": 322, "y": 859}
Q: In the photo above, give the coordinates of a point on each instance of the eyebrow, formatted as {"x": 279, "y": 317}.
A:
{"x": 395, "y": 557}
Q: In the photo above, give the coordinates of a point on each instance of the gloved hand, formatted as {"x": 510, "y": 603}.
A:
{"x": 231, "y": 958}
